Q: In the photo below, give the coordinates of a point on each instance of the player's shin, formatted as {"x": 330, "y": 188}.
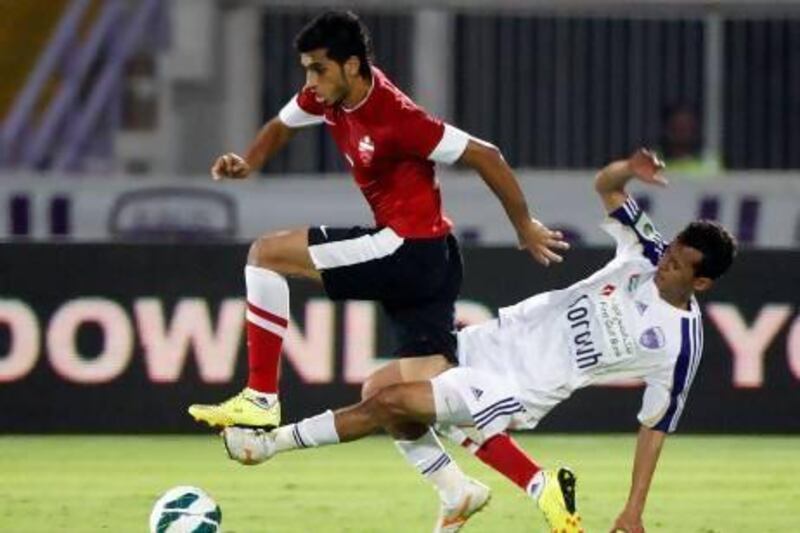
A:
{"x": 267, "y": 320}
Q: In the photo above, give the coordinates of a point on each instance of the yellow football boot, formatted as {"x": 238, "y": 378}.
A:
{"x": 245, "y": 409}
{"x": 557, "y": 501}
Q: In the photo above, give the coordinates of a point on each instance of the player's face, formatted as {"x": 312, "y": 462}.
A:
{"x": 676, "y": 269}
{"x": 325, "y": 77}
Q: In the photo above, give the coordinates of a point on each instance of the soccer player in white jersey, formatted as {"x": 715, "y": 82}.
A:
{"x": 636, "y": 318}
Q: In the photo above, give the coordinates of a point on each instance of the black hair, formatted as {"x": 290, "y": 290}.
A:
{"x": 342, "y": 35}
{"x": 716, "y": 244}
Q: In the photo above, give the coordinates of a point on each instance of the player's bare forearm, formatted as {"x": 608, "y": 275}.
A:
{"x": 610, "y": 183}
{"x": 611, "y": 180}
{"x": 533, "y": 236}
{"x": 272, "y": 137}
{"x": 487, "y": 161}
{"x": 648, "y": 450}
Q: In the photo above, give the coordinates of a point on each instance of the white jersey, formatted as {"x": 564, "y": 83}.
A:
{"x": 610, "y": 326}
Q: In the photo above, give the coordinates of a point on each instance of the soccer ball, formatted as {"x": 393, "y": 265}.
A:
{"x": 185, "y": 509}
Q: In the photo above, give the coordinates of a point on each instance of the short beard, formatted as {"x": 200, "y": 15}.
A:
{"x": 345, "y": 86}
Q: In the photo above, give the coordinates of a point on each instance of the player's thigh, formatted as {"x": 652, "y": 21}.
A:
{"x": 403, "y": 371}
{"x": 285, "y": 252}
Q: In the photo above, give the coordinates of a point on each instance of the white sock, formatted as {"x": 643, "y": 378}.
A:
{"x": 536, "y": 485}
{"x": 310, "y": 432}
{"x": 470, "y": 442}
{"x": 427, "y": 455}
{"x": 267, "y": 290}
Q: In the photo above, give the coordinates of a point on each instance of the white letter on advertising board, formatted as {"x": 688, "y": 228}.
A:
{"x": 62, "y": 348}
{"x": 793, "y": 348}
{"x": 359, "y": 342}
{"x": 23, "y": 333}
{"x": 748, "y": 345}
{"x": 215, "y": 346}
{"x": 312, "y": 355}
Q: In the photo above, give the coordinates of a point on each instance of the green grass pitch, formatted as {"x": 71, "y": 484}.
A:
{"x": 108, "y": 484}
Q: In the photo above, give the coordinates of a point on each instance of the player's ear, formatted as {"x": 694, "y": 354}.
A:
{"x": 352, "y": 66}
{"x": 702, "y": 283}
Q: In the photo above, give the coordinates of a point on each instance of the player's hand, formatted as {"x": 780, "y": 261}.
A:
{"x": 230, "y": 165}
{"x": 647, "y": 167}
{"x": 541, "y": 242}
{"x": 628, "y": 522}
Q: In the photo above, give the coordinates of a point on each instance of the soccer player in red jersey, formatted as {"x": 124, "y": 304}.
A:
{"x": 409, "y": 261}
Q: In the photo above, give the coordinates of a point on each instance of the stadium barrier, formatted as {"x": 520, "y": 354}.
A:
{"x": 113, "y": 338}
{"x": 761, "y": 208}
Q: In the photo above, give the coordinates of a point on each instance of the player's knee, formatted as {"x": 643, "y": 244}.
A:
{"x": 389, "y": 404}
{"x": 370, "y": 388}
{"x": 264, "y": 253}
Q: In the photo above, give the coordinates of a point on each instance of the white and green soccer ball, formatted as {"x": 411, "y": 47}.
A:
{"x": 185, "y": 509}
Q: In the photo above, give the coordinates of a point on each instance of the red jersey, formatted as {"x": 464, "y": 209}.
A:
{"x": 391, "y": 145}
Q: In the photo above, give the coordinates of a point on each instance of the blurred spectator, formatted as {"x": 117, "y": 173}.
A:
{"x": 682, "y": 145}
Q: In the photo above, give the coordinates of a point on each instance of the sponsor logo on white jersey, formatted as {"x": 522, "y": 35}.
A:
{"x": 587, "y": 354}
{"x": 611, "y": 316}
{"x": 633, "y": 283}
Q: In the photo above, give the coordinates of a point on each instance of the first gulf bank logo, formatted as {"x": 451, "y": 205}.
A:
{"x": 366, "y": 150}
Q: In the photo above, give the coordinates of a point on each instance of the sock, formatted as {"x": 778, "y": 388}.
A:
{"x": 267, "y": 320}
{"x": 310, "y": 432}
{"x": 536, "y": 485}
{"x": 460, "y": 437}
{"x": 427, "y": 455}
{"x": 504, "y": 455}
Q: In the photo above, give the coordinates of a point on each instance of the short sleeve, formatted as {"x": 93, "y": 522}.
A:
{"x": 301, "y": 111}
{"x": 634, "y": 232}
{"x": 451, "y": 146}
{"x": 663, "y": 400}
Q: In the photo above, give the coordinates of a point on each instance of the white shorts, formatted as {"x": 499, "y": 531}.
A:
{"x": 467, "y": 397}
{"x": 528, "y": 360}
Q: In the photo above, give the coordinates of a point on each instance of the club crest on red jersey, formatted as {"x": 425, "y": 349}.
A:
{"x": 366, "y": 150}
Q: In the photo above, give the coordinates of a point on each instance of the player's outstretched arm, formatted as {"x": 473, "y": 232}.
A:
{"x": 272, "y": 137}
{"x": 542, "y": 243}
{"x": 610, "y": 182}
{"x": 648, "y": 450}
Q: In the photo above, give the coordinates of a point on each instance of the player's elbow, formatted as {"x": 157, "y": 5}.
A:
{"x": 481, "y": 154}
{"x": 600, "y": 185}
